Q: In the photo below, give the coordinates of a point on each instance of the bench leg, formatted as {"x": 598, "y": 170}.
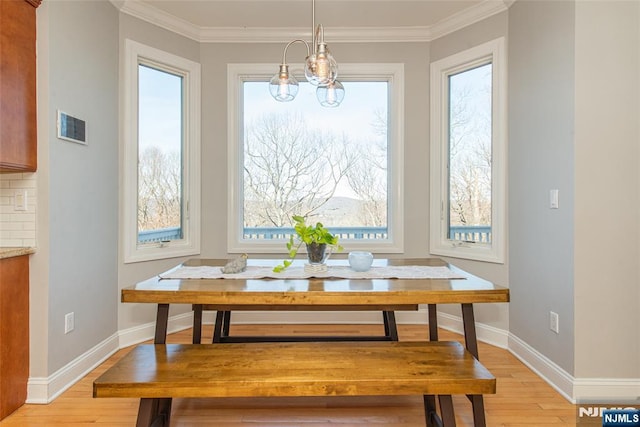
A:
{"x": 390, "y": 327}
{"x": 154, "y": 412}
{"x": 446, "y": 409}
{"x": 447, "y": 418}
{"x": 477, "y": 402}
{"x": 430, "y": 414}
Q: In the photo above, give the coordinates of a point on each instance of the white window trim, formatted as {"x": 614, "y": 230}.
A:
{"x": 394, "y": 73}
{"x": 440, "y": 244}
{"x": 190, "y": 243}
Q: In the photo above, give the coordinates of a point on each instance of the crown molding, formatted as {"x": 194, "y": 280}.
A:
{"x": 469, "y": 16}
{"x": 148, "y": 13}
{"x": 160, "y": 18}
{"x": 336, "y": 35}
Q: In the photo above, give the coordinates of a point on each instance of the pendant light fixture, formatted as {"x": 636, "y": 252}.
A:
{"x": 320, "y": 69}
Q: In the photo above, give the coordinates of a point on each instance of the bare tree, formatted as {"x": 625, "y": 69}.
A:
{"x": 368, "y": 176}
{"x": 290, "y": 169}
{"x": 470, "y": 158}
{"x": 368, "y": 179}
{"x": 159, "y": 190}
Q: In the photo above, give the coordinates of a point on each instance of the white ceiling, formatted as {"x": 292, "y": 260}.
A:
{"x": 345, "y": 20}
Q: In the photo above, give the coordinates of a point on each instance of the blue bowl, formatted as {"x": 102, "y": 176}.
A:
{"x": 360, "y": 261}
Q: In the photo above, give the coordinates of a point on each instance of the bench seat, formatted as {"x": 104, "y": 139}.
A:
{"x": 163, "y": 371}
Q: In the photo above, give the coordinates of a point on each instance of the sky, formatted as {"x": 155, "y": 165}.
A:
{"x": 160, "y": 109}
{"x": 352, "y": 117}
{"x": 159, "y": 97}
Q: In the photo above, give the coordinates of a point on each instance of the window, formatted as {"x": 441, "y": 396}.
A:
{"x": 468, "y": 154}
{"x": 161, "y": 155}
{"x": 339, "y": 166}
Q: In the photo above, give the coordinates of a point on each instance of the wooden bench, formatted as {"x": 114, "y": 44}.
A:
{"x": 156, "y": 373}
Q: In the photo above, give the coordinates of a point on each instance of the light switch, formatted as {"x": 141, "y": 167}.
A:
{"x": 553, "y": 199}
{"x": 20, "y": 200}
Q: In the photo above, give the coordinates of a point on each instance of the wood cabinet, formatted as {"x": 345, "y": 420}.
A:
{"x": 18, "y": 138}
{"x": 14, "y": 332}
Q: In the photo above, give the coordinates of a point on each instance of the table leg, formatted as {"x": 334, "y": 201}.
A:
{"x": 218, "y": 326}
{"x": 226, "y": 323}
{"x": 162, "y": 320}
{"x": 433, "y": 322}
{"x": 469, "y": 322}
{"x": 157, "y": 411}
{"x": 471, "y": 342}
{"x": 390, "y": 327}
{"x": 197, "y": 323}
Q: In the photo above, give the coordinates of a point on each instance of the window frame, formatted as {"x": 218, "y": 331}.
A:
{"x": 393, "y": 73}
{"x": 136, "y": 54}
{"x": 439, "y": 242}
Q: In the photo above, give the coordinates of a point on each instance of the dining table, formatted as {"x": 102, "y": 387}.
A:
{"x": 392, "y": 282}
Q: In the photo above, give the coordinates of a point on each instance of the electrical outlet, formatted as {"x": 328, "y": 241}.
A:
{"x": 69, "y": 322}
{"x": 554, "y": 322}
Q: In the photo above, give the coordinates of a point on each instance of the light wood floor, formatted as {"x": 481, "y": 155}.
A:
{"x": 522, "y": 398}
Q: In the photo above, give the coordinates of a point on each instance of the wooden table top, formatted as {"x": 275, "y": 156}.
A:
{"x": 300, "y": 292}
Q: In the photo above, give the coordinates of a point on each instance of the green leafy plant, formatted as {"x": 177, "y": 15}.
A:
{"x": 307, "y": 234}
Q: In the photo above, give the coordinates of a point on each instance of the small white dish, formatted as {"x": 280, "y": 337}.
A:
{"x": 360, "y": 260}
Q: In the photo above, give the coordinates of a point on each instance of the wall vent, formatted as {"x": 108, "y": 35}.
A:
{"x": 71, "y": 128}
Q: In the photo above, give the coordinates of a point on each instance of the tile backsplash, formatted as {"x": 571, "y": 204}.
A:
{"x": 18, "y": 227}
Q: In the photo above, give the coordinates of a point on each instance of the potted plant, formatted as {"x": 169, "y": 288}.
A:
{"x": 316, "y": 238}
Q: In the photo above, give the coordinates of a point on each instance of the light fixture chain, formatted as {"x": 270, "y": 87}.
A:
{"x": 313, "y": 25}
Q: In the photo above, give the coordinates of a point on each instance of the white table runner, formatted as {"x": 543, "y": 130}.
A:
{"x": 298, "y": 272}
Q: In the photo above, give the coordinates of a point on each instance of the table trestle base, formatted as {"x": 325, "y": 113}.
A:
{"x": 222, "y": 325}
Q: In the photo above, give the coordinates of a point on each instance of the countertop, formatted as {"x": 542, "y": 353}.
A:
{"x": 8, "y": 252}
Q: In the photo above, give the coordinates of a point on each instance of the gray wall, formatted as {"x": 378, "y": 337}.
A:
{"x": 77, "y": 265}
{"x": 541, "y": 153}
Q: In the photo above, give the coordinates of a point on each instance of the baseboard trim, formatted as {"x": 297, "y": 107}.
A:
{"x": 607, "y": 390}
{"x": 44, "y": 390}
{"x": 145, "y": 332}
{"x": 576, "y": 390}
{"x": 545, "y": 368}
{"x": 485, "y": 333}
